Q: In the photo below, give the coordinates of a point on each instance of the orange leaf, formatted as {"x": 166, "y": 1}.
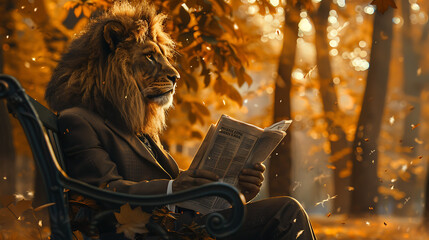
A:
{"x": 86, "y": 11}
{"x": 383, "y": 5}
{"x": 78, "y": 11}
{"x": 131, "y": 221}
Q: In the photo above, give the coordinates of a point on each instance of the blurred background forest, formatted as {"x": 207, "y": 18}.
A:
{"x": 353, "y": 75}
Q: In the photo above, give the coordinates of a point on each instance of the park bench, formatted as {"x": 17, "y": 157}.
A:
{"x": 40, "y": 127}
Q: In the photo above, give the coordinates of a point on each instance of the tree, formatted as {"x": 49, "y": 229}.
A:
{"x": 340, "y": 148}
{"x": 7, "y": 150}
{"x": 365, "y": 156}
{"x": 281, "y": 161}
{"x": 413, "y": 83}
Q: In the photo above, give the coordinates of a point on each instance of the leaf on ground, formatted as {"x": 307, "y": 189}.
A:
{"x": 20, "y": 207}
{"x": 131, "y": 221}
{"x": 383, "y": 5}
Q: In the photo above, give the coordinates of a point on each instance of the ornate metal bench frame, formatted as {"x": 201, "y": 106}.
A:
{"x": 40, "y": 127}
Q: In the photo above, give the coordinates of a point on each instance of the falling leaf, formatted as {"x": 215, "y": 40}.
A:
{"x": 299, "y": 234}
{"x": 331, "y": 167}
{"x": 366, "y": 139}
{"x": 392, "y": 120}
{"x": 308, "y": 74}
{"x": 131, "y": 221}
{"x": 78, "y": 11}
{"x": 43, "y": 206}
{"x": 418, "y": 141}
{"x": 328, "y": 215}
{"x": 414, "y": 126}
{"x": 383, "y": 5}
{"x": 325, "y": 200}
{"x": 383, "y": 36}
{"x": 350, "y": 188}
{"x": 385, "y": 224}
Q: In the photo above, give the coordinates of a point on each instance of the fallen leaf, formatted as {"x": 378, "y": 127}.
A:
{"x": 383, "y": 5}
{"x": 131, "y": 221}
{"x": 299, "y": 234}
{"x": 20, "y": 207}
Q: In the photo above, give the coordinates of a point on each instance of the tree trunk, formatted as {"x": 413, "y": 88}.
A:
{"x": 340, "y": 148}
{"x": 411, "y": 85}
{"x": 281, "y": 161}
{"x": 7, "y": 150}
{"x": 364, "y": 174}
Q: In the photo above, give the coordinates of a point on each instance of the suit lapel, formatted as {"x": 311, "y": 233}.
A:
{"x": 140, "y": 149}
{"x": 165, "y": 159}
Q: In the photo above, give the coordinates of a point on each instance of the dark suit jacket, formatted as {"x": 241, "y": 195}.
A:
{"x": 104, "y": 155}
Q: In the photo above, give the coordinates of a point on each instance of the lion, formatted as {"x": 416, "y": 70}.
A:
{"x": 119, "y": 66}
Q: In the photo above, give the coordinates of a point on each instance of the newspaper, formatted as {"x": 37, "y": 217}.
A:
{"x": 230, "y": 146}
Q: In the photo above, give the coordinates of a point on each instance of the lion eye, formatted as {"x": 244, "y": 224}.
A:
{"x": 150, "y": 57}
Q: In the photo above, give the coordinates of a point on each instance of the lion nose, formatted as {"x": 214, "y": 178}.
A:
{"x": 173, "y": 78}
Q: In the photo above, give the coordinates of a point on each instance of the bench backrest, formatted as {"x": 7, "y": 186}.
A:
{"x": 49, "y": 122}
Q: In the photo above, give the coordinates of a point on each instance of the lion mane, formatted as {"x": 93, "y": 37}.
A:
{"x": 108, "y": 71}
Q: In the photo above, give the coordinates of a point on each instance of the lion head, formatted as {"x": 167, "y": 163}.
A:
{"x": 119, "y": 66}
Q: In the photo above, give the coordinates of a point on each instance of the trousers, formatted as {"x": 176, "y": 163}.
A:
{"x": 274, "y": 218}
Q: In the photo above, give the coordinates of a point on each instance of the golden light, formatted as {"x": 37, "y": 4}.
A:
{"x": 369, "y": 9}
{"x": 275, "y": 3}
{"x": 341, "y": 3}
{"x": 305, "y": 25}
{"x": 333, "y": 33}
{"x": 333, "y": 43}
{"x": 363, "y": 54}
{"x": 298, "y": 74}
{"x": 336, "y": 80}
{"x": 268, "y": 18}
{"x": 253, "y": 9}
{"x": 362, "y": 44}
{"x": 415, "y": 7}
{"x": 333, "y": 52}
{"x": 346, "y": 102}
{"x": 332, "y": 19}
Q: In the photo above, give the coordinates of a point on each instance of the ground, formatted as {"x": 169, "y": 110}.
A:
{"x": 370, "y": 228}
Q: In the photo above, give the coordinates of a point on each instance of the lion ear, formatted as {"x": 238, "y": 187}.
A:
{"x": 114, "y": 33}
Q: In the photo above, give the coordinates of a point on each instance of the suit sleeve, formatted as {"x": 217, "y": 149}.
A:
{"x": 87, "y": 160}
